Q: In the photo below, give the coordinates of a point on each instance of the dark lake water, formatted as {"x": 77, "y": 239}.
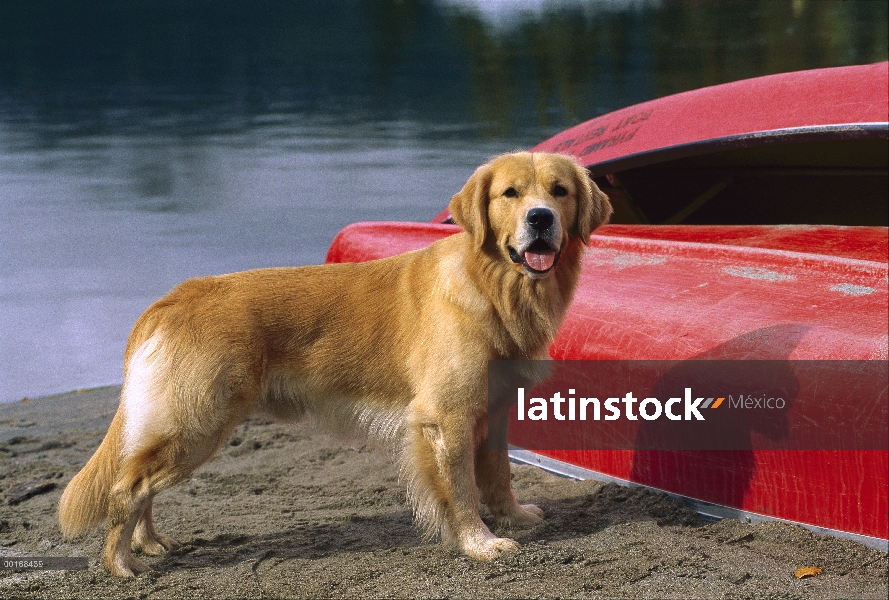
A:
{"x": 144, "y": 143}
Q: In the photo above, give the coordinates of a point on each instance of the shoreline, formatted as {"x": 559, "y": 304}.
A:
{"x": 286, "y": 510}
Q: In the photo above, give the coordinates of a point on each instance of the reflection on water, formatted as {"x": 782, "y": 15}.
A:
{"x": 498, "y": 67}
{"x": 95, "y": 229}
{"x": 143, "y": 143}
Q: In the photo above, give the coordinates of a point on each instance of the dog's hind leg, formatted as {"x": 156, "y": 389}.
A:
{"x": 141, "y": 477}
{"x": 130, "y": 496}
{"x": 147, "y": 540}
{"x": 157, "y": 464}
{"x": 152, "y": 469}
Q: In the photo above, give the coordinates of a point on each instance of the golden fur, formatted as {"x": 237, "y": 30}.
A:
{"x": 396, "y": 349}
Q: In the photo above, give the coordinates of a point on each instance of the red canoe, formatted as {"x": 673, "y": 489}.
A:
{"x": 750, "y": 223}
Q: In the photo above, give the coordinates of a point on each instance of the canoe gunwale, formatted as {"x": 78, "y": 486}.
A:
{"x": 815, "y": 133}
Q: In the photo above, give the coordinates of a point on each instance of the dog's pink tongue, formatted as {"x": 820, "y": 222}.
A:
{"x": 540, "y": 261}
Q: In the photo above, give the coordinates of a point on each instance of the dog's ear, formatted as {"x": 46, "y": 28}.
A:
{"x": 469, "y": 206}
{"x": 593, "y": 206}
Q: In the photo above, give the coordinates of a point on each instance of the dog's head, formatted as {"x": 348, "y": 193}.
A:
{"x": 530, "y": 206}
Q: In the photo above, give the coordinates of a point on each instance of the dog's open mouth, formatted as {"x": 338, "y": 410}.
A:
{"x": 538, "y": 258}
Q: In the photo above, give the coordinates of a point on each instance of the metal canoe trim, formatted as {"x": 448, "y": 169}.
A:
{"x": 707, "y": 510}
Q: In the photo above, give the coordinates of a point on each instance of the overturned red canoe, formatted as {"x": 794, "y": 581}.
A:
{"x": 750, "y": 225}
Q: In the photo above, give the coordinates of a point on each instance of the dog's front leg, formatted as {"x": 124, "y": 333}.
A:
{"x": 492, "y": 473}
{"x": 440, "y": 468}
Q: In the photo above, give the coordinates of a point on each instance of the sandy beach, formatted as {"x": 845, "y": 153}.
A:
{"x": 288, "y": 511}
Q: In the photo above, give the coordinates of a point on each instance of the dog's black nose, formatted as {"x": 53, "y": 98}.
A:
{"x": 540, "y": 219}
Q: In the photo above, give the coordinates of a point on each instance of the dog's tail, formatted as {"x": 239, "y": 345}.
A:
{"x": 84, "y": 503}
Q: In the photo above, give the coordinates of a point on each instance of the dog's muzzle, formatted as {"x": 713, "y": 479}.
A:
{"x": 539, "y": 256}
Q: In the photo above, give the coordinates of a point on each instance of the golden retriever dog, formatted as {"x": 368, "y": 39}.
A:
{"x": 393, "y": 349}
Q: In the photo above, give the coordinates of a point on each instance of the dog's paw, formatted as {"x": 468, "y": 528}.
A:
{"x": 531, "y": 513}
{"x": 490, "y": 548}
{"x": 127, "y": 567}
{"x": 523, "y": 515}
{"x": 155, "y": 545}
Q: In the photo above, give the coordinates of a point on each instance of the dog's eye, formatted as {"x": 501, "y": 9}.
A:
{"x": 511, "y": 193}
{"x": 559, "y": 191}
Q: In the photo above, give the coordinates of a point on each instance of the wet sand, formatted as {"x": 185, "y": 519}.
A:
{"x": 288, "y": 511}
